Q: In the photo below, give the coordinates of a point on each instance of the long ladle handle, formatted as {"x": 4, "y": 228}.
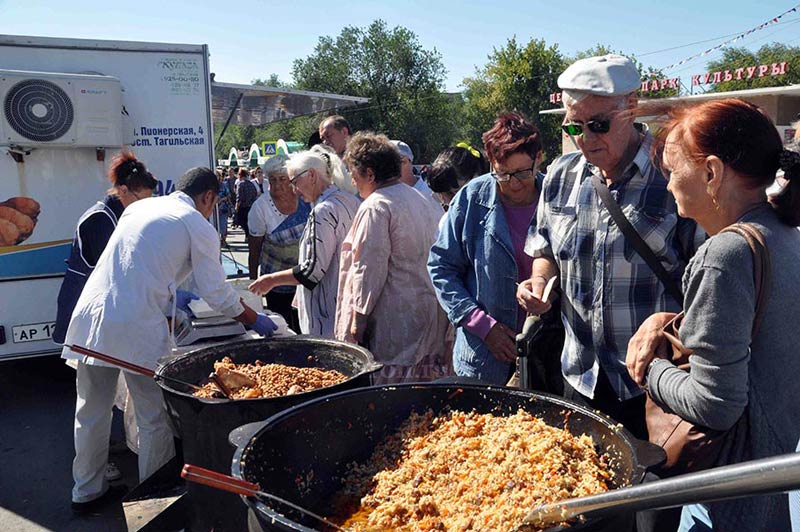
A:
{"x": 130, "y": 366}
{"x": 213, "y": 479}
{"x": 758, "y": 477}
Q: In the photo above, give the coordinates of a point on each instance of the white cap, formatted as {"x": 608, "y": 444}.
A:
{"x": 404, "y": 149}
{"x": 605, "y": 75}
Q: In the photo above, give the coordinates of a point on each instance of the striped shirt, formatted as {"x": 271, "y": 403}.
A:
{"x": 607, "y": 289}
{"x": 317, "y": 270}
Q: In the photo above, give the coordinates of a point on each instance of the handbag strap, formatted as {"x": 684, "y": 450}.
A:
{"x": 762, "y": 266}
{"x": 636, "y": 240}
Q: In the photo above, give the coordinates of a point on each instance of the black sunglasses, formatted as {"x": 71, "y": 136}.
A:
{"x": 600, "y": 126}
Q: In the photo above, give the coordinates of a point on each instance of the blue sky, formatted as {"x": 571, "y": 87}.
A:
{"x": 254, "y": 39}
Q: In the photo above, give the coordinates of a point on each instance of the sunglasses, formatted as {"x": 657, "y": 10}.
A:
{"x": 599, "y": 125}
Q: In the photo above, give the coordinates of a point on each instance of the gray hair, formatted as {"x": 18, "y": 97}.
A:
{"x": 275, "y": 165}
{"x": 326, "y": 163}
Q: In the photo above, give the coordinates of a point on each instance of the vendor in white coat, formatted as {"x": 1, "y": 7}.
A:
{"x": 123, "y": 312}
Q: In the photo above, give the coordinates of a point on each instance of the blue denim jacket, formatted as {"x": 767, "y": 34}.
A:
{"x": 472, "y": 265}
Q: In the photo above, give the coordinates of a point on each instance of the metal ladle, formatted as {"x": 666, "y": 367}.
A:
{"x": 757, "y": 477}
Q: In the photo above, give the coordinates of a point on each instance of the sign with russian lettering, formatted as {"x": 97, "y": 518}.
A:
{"x": 760, "y": 71}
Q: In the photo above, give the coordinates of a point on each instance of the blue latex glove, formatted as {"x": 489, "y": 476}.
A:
{"x": 263, "y": 325}
{"x": 182, "y": 299}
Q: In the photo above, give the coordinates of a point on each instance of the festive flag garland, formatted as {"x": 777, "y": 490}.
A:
{"x": 730, "y": 41}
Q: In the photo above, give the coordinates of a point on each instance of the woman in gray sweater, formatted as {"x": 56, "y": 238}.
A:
{"x": 720, "y": 157}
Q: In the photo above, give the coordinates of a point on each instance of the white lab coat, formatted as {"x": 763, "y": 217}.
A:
{"x": 122, "y": 312}
{"x": 123, "y": 307}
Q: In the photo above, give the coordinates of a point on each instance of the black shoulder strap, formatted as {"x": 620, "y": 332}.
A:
{"x": 636, "y": 240}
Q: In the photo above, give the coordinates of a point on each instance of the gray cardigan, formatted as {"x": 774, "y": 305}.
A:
{"x": 729, "y": 375}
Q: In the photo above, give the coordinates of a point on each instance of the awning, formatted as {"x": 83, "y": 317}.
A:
{"x": 261, "y": 105}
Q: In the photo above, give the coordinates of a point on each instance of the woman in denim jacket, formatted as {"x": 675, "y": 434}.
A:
{"x": 478, "y": 257}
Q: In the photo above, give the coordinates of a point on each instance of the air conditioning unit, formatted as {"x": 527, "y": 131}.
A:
{"x": 58, "y": 110}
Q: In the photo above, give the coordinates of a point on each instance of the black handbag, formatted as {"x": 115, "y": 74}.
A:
{"x": 539, "y": 347}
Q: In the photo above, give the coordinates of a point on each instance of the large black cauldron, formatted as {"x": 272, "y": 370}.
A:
{"x": 204, "y": 424}
{"x": 301, "y": 454}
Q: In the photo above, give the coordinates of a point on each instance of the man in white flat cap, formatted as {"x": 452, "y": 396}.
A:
{"x": 607, "y": 288}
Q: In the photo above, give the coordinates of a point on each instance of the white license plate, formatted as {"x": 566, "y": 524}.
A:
{"x": 32, "y": 332}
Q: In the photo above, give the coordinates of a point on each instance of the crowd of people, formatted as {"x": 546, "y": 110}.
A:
{"x": 436, "y": 277}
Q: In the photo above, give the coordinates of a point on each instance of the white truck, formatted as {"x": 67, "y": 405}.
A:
{"x": 66, "y": 107}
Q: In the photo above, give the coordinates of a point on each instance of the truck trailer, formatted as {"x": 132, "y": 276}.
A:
{"x": 67, "y": 106}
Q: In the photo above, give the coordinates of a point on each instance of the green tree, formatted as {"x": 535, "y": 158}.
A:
{"x": 272, "y": 81}
{"x": 646, "y": 73}
{"x": 235, "y": 136}
{"x": 733, "y": 58}
{"x": 516, "y": 77}
{"x": 388, "y": 65}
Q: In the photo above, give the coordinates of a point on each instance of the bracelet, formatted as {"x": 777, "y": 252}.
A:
{"x": 545, "y": 279}
{"x": 646, "y": 381}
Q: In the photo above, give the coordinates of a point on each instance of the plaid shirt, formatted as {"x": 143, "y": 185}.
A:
{"x": 246, "y": 194}
{"x": 607, "y": 289}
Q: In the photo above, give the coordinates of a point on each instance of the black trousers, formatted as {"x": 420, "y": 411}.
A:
{"x": 630, "y": 413}
{"x": 241, "y": 220}
{"x": 282, "y": 304}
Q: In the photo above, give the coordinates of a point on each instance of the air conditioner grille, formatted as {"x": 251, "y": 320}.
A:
{"x": 38, "y": 110}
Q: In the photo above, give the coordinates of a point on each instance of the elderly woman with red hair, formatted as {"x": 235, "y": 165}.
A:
{"x": 720, "y": 157}
{"x": 479, "y": 255}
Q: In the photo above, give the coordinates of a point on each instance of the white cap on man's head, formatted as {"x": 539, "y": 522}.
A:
{"x": 604, "y": 75}
{"x": 404, "y": 149}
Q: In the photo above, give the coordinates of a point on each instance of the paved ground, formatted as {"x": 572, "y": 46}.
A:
{"x": 37, "y": 404}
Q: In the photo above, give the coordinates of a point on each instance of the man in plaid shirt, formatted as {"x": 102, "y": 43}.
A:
{"x": 607, "y": 289}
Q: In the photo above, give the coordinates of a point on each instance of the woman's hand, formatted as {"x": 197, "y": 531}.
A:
{"x": 501, "y": 342}
{"x": 529, "y": 296}
{"x": 648, "y": 343}
{"x": 263, "y": 284}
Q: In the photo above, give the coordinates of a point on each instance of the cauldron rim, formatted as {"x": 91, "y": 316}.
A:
{"x": 370, "y": 366}
{"x": 644, "y": 454}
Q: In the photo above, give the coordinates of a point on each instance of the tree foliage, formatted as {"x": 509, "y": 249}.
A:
{"x": 272, "y": 81}
{"x": 516, "y": 77}
{"x": 733, "y": 58}
{"x": 388, "y": 65}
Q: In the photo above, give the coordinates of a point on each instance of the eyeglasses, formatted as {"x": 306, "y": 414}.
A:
{"x": 599, "y": 125}
{"x": 521, "y": 175}
{"x": 295, "y": 178}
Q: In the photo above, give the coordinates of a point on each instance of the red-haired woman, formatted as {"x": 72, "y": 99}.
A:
{"x": 720, "y": 157}
{"x": 130, "y": 181}
{"x": 479, "y": 255}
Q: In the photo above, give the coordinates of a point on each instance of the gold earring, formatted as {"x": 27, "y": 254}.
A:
{"x": 714, "y": 201}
